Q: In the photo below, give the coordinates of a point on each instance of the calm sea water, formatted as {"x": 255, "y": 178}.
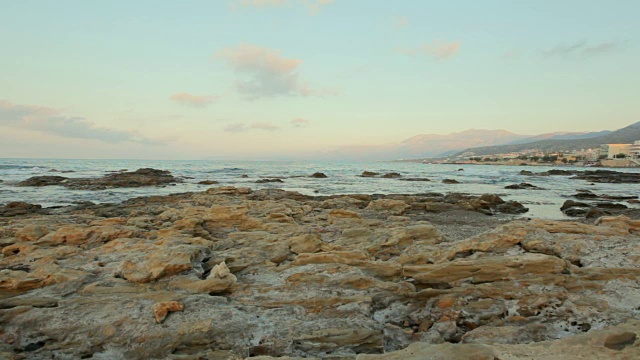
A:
{"x": 342, "y": 179}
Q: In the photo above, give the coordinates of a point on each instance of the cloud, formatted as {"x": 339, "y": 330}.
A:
{"x": 436, "y": 50}
{"x": 314, "y": 7}
{"x": 300, "y": 122}
{"x": 52, "y": 121}
{"x": 400, "y": 21}
{"x": 235, "y": 128}
{"x": 264, "y": 126}
{"x": 262, "y": 3}
{"x": 240, "y": 127}
{"x": 198, "y": 101}
{"x": 582, "y": 49}
{"x": 266, "y": 72}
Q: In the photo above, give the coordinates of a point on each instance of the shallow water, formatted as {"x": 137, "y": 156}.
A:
{"x": 342, "y": 179}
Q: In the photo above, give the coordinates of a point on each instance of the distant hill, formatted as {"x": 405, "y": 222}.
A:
{"x": 560, "y": 136}
{"x": 426, "y": 145}
{"x": 625, "y": 135}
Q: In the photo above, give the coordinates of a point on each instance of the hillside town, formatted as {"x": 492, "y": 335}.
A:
{"x": 607, "y": 155}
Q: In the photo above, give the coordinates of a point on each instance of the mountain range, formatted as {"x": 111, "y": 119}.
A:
{"x": 626, "y": 135}
{"x": 483, "y": 142}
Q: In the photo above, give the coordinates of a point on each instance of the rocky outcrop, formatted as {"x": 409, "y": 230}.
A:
{"x": 618, "y": 342}
{"x": 19, "y": 208}
{"x": 122, "y": 179}
{"x": 594, "y": 176}
{"x": 232, "y": 273}
{"x": 523, "y": 186}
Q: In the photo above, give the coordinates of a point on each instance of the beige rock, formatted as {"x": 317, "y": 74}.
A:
{"x": 162, "y": 309}
{"x": 487, "y": 269}
{"x": 307, "y": 243}
{"x": 395, "y": 207}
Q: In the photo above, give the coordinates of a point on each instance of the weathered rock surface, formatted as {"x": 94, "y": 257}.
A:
{"x": 19, "y": 208}
{"x": 232, "y": 273}
{"x": 523, "y": 186}
{"x": 594, "y": 176}
{"x": 123, "y": 179}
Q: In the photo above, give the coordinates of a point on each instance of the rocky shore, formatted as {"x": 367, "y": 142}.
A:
{"x": 232, "y": 273}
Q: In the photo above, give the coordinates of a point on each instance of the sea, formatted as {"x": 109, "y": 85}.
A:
{"x": 342, "y": 178}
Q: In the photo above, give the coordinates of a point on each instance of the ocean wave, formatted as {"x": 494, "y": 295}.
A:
{"x": 223, "y": 170}
{"x": 13, "y": 167}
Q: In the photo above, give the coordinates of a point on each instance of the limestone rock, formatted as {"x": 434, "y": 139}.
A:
{"x": 395, "y": 207}
{"x": 162, "y": 309}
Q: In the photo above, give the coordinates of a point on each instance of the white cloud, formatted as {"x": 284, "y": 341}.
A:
{"x": 313, "y": 6}
{"x": 188, "y": 99}
{"x": 264, "y": 126}
{"x": 400, "y": 22}
{"x": 300, "y": 122}
{"x": 438, "y": 50}
{"x": 582, "y": 49}
{"x": 262, "y": 3}
{"x": 235, "y": 128}
{"x": 266, "y": 72}
{"x": 53, "y": 121}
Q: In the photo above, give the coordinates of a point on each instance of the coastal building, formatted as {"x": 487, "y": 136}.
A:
{"x": 611, "y": 150}
{"x": 634, "y": 150}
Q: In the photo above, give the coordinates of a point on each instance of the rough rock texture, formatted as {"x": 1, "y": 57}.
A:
{"x": 230, "y": 273}
{"x": 122, "y": 179}
{"x": 618, "y": 342}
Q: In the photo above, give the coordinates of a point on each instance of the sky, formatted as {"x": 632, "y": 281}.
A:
{"x": 278, "y": 79}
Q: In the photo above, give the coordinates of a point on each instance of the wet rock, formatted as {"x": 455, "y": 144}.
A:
{"x": 369, "y": 174}
{"x": 45, "y": 180}
{"x": 392, "y": 175}
{"x": 450, "y": 181}
{"x": 608, "y": 176}
{"x": 319, "y": 175}
{"x": 19, "y": 208}
{"x": 523, "y": 186}
{"x": 138, "y": 178}
{"x": 571, "y": 204}
{"x": 415, "y": 179}
{"x": 207, "y": 182}
{"x": 511, "y": 207}
{"x": 585, "y": 194}
{"x": 492, "y": 199}
{"x": 265, "y": 181}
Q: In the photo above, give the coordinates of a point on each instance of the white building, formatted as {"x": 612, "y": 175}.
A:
{"x": 611, "y": 150}
{"x": 634, "y": 150}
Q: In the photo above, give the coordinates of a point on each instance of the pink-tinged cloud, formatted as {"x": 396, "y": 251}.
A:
{"x": 265, "y": 72}
{"x": 400, "y": 22}
{"x": 438, "y": 50}
{"x": 300, "y": 122}
{"x": 314, "y": 6}
{"x": 236, "y": 128}
{"x": 264, "y": 126}
{"x": 54, "y": 122}
{"x": 188, "y": 99}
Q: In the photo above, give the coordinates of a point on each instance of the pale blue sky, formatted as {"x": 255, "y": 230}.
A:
{"x": 96, "y": 78}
